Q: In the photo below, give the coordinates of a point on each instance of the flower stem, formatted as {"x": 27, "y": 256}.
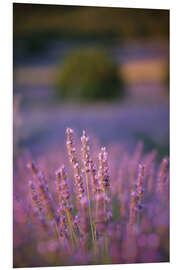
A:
{"x": 106, "y": 254}
{"x": 72, "y": 233}
{"x": 96, "y": 214}
{"x": 90, "y": 215}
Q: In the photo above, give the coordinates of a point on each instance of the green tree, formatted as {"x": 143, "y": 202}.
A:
{"x": 89, "y": 74}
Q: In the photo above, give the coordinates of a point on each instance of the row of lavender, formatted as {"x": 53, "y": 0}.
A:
{"x": 113, "y": 210}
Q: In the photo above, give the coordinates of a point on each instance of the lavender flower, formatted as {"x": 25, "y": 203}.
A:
{"x": 117, "y": 217}
{"x": 73, "y": 159}
{"x": 162, "y": 176}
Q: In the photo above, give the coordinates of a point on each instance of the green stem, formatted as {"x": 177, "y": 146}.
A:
{"x": 106, "y": 254}
{"x": 57, "y": 231}
{"x": 90, "y": 216}
{"x": 96, "y": 214}
{"x": 72, "y": 233}
{"x": 95, "y": 250}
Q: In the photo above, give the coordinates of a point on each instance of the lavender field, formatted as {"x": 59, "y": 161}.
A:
{"x": 104, "y": 206}
{"x": 127, "y": 123}
{"x": 90, "y": 136}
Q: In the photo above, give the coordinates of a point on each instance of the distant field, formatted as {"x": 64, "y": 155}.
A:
{"x": 135, "y": 71}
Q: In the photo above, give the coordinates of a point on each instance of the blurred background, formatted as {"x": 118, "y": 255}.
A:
{"x": 105, "y": 70}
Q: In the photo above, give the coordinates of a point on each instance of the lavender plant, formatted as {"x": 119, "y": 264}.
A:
{"x": 88, "y": 213}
